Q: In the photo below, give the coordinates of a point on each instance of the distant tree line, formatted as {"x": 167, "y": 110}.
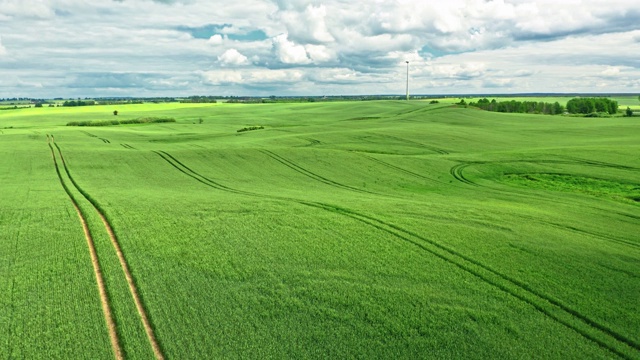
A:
{"x": 144, "y": 120}
{"x": 513, "y": 106}
{"x": 199, "y": 100}
{"x": 79, "y": 103}
{"x": 592, "y": 105}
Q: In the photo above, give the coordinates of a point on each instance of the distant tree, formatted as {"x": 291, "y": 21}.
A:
{"x": 38, "y": 105}
{"x": 629, "y": 111}
{"x": 115, "y": 112}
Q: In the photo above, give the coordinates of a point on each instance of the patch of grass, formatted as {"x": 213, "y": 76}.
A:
{"x": 575, "y": 183}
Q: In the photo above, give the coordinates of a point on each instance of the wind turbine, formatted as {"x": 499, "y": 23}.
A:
{"x": 407, "y": 80}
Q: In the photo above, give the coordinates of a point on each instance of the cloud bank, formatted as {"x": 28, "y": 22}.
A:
{"x": 293, "y": 47}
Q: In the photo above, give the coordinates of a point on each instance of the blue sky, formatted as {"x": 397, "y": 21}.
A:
{"x": 70, "y": 48}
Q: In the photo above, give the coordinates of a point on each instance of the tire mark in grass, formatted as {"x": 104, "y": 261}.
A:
{"x": 127, "y": 146}
{"x": 88, "y": 133}
{"x": 104, "y": 300}
{"x": 310, "y": 174}
{"x": 106, "y": 141}
{"x": 123, "y": 262}
{"x": 428, "y": 147}
{"x": 456, "y": 172}
{"x": 549, "y": 306}
{"x": 405, "y": 171}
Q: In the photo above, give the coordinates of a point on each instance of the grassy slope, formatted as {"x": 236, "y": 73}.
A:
{"x": 340, "y": 230}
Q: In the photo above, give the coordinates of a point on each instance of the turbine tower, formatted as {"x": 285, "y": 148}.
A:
{"x": 407, "y": 80}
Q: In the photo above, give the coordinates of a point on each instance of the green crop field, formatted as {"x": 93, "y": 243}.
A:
{"x": 383, "y": 229}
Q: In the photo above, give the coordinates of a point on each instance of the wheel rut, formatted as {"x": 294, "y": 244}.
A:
{"x": 555, "y": 309}
{"x": 123, "y": 263}
{"x": 104, "y": 299}
{"x": 299, "y": 169}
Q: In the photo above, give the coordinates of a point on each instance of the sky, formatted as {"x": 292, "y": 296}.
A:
{"x": 87, "y": 48}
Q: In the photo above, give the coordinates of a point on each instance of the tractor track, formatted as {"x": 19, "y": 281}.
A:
{"x": 456, "y": 172}
{"x": 104, "y": 299}
{"x": 297, "y": 168}
{"x": 428, "y": 147}
{"x": 397, "y": 168}
{"x": 127, "y": 146}
{"x": 547, "y": 305}
{"x": 88, "y": 134}
{"x": 123, "y": 262}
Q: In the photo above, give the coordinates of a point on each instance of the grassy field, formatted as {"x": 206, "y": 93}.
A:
{"x": 391, "y": 229}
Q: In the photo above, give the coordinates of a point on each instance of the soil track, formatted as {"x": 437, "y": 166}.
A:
{"x": 123, "y": 263}
{"x": 104, "y": 299}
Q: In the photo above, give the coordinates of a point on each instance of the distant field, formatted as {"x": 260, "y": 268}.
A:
{"x": 383, "y": 229}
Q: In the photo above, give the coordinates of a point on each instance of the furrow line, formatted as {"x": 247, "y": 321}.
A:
{"x": 104, "y": 299}
{"x": 310, "y": 174}
{"x": 123, "y": 262}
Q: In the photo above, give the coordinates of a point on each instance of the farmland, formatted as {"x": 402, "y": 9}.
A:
{"x": 383, "y": 229}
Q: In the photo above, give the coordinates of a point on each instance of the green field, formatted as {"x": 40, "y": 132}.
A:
{"x": 386, "y": 229}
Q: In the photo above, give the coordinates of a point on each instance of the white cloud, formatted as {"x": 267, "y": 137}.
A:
{"x": 281, "y": 76}
{"x": 222, "y": 77}
{"x": 288, "y": 52}
{"x": 611, "y": 71}
{"x": 320, "y": 53}
{"x": 233, "y": 57}
{"x": 216, "y": 39}
{"x": 307, "y": 26}
{"x": 26, "y": 8}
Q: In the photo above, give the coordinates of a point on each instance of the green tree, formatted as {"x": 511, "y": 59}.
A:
{"x": 115, "y": 112}
{"x": 629, "y": 111}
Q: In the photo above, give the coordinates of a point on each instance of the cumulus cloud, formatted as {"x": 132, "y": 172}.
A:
{"x": 233, "y": 57}
{"x": 308, "y": 26}
{"x": 289, "y": 52}
{"x": 216, "y": 39}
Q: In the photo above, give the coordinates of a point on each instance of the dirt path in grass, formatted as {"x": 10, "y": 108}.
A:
{"x": 132, "y": 288}
{"x": 123, "y": 262}
{"x": 104, "y": 300}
